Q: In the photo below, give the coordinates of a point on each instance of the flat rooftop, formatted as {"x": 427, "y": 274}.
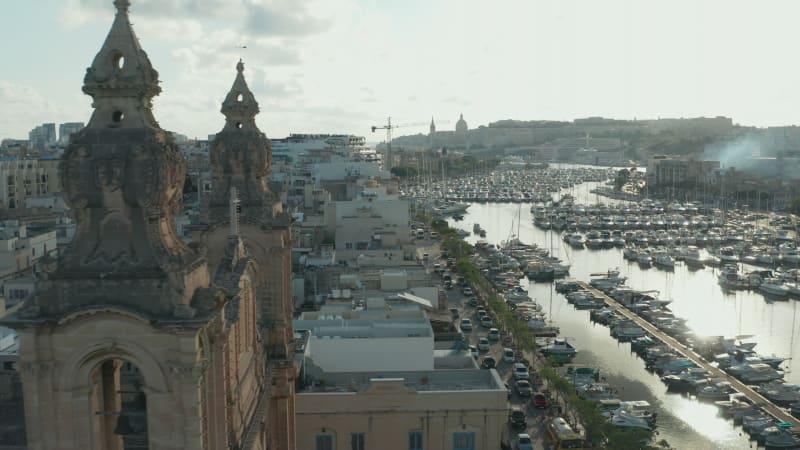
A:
{"x": 336, "y": 327}
{"x": 421, "y": 381}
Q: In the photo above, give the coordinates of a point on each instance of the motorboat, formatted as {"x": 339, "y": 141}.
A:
{"x": 576, "y": 240}
{"x": 692, "y": 256}
{"x": 628, "y": 330}
{"x": 644, "y": 259}
{"x": 728, "y": 255}
{"x": 755, "y": 373}
{"x": 780, "y": 393}
{"x": 730, "y": 278}
{"x": 774, "y": 287}
{"x": 559, "y": 349}
{"x": 686, "y": 380}
{"x": 664, "y": 260}
{"x": 716, "y": 391}
{"x": 779, "y": 437}
{"x": 634, "y": 414}
{"x": 630, "y": 253}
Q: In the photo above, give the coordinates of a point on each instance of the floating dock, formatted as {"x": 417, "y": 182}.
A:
{"x": 753, "y": 396}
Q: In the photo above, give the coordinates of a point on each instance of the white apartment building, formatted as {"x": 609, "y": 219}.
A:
{"x": 19, "y": 250}
{"x": 373, "y": 221}
{"x": 347, "y": 340}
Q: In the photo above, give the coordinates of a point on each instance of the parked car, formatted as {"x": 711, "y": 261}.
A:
{"x": 508, "y": 355}
{"x": 494, "y": 334}
{"x": 524, "y": 388}
{"x": 467, "y": 291}
{"x": 521, "y": 372}
{"x": 539, "y": 400}
{"x": 486, "y": 322}
{"x": 473, "y": 301}
{"x": 524, "y": 442}
{"x": 426, "y": 256}
{"x": 488, "y": 363}
{"x": 466, "y": 325}
{"x": 484, "y": 345}
{"x": 517, "y": 419}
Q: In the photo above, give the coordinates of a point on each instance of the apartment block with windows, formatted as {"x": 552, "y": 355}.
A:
{"x": 450, "y": 409}
{"x": 24, "y": 178}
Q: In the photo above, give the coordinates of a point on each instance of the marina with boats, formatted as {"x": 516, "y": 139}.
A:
{"x": 686, "y": 282}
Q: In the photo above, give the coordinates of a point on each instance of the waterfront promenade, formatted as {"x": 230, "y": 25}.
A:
{"x": 752, "y": 395}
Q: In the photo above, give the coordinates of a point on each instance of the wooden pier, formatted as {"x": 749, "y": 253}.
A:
{"x": 753, "y": 396}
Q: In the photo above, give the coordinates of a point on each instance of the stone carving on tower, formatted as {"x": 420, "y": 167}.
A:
{"x": 129, "y": 343}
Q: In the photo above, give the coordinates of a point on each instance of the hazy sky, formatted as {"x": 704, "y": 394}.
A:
{"x": 343, "y": 65}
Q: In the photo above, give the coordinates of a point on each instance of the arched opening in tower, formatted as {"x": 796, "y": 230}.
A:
{"x": 120, "y": 406}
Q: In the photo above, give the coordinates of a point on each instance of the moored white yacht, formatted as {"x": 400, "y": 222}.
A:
{"x": 664, "y": 260}
{"x": 634, "y": 414}
{"x": 692, "y": 256}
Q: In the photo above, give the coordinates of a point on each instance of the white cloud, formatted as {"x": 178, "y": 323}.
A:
{"x": 23, "y": 108}
{"x": 309, "y": 61}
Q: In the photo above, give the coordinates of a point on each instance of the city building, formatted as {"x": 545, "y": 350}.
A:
{"x": 20, "y": 249}
{"x": 461, "y": 125}
{"x": 372, "y": 221}
{"x": 42, "y": 136}
{"x": 372, "y": 376}
{"x": 67, "y": 129}
{"x": 666, "y": 173}
{"x": 401, "y": 410}
{"x": 21, "y": 179}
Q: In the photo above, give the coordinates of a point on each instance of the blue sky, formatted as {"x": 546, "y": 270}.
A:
{"x": 343, "y": 65}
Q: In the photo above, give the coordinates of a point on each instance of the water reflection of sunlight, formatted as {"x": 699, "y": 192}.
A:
{"x": 703, "y": 417}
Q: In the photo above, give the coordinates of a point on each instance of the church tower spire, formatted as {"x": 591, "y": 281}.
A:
{"x": 121, "y": 80}
{"x": 123, "y": 176}
{"x": 433, "y": 126}
{"x": 241, "y": 157}
{"x": 240, "y": 106}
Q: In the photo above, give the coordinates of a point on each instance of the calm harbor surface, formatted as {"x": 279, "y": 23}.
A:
{"x": 684, "y": 422}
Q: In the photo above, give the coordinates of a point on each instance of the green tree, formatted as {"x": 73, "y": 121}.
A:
{"x": 796, "y": 206}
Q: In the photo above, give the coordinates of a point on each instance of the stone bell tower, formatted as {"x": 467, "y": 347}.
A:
{"x": 128, "y": 344}
{"x": 240, "y": 162}
{"x": 241, "y": 156}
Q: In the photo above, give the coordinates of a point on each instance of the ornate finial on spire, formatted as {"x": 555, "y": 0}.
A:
{"x": 240, "y": 106}
{"x": 121, "y": 79}
{"x": 122, "y": 5}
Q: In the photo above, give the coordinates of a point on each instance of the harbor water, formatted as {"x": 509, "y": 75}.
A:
{"x": 683, "y": 421}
